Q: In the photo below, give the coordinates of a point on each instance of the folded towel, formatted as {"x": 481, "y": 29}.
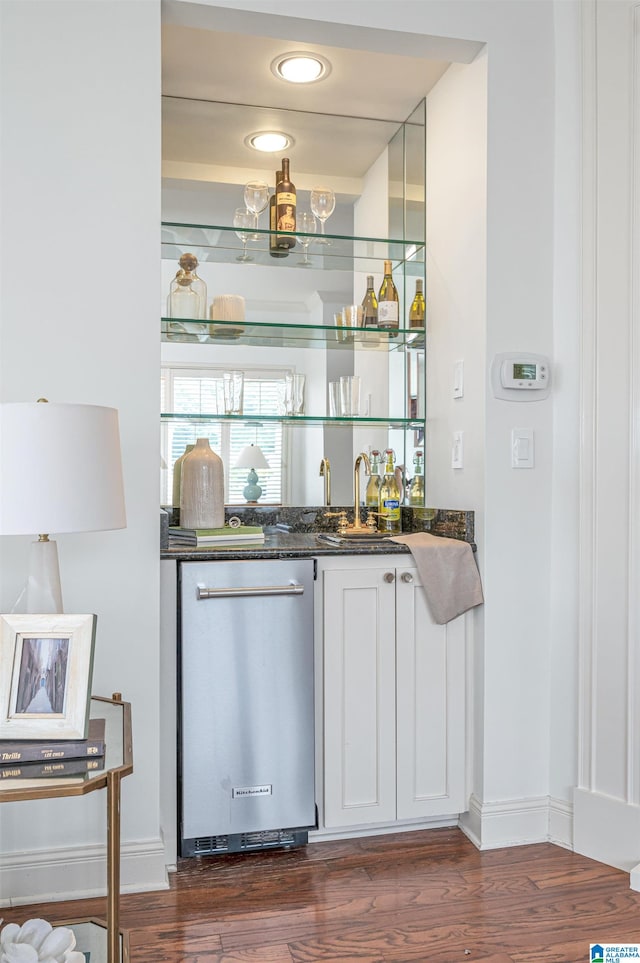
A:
{"x": 448, "y": 571}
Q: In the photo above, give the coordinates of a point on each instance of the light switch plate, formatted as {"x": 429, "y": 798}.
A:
{"x": 457, "y": 450}
{"x": 458, "y": 379}
{"x": 522, "y": 448}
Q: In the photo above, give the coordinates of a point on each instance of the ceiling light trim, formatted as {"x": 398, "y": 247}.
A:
{"x": 281, "y": 67}
{"x": 279, "y": 141}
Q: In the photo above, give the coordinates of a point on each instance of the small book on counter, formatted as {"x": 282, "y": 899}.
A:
{"x": 53, "y": 768}
{"x": 217, "y": 536}
{"x": 17, "y": 751}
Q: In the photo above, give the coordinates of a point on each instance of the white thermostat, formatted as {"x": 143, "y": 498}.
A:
{"x": 521, "y": 377}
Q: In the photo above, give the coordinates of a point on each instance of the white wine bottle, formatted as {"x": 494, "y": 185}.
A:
{"x": 370, "y": 307}
{"x": 389, "y": 514}
{"x": 285, "y": 209}
{"x": 416, "y": 491}
{"x": 417, "y": 309}
{"x": 372, "y": 493}
{"x": 388, "y": 301}
{"x": 274, "y": 250}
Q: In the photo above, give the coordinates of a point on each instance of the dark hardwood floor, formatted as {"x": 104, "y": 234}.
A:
{"x": 424, "y": 896}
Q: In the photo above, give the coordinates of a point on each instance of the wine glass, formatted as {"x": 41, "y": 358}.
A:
{"x": 306, "y": 222}
{"x": 323, "y": 202}
{"x": 256, "y": 199}
{"x": 246, "y": 220}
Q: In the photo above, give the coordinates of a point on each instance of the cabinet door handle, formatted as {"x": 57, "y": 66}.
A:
{"x": 407, "y": 577}
{"x": 389, "y": 577}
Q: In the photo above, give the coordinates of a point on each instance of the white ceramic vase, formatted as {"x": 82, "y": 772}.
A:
{"x": 177, "y": 476}
{"x": 202, "y": 488}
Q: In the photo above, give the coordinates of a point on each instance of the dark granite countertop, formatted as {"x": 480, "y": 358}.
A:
{"x": 296, "y": 533}
{"x": 281, "y": 545}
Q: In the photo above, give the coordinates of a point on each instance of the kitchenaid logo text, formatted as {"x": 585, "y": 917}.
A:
{"x": 251, "y": 791}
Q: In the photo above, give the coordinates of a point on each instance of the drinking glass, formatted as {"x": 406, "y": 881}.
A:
{"x": 233, "y": 387}
{"x": 323, "y": 202}
{"x": 243, "y": 219}
{"x": 256, "y": 199}
{"x": 306, "y": 222}
{"x": 350, "y": 395}
{"x": 294, "y": 394}
{"x": 335, "y": 407}
{"x": 352, "y": 315}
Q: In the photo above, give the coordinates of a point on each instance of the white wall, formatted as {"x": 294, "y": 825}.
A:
{"x": 79, "y": 323}
{"x": 456, "y": 320}
{"x": 563, "y": 572}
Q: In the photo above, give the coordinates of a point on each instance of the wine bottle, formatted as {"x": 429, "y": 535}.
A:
{"x": 417, "y": 309}
{"x": 388, "y": 301}
{"x": 274, "y": 249}
{"x": 389, "y": 516}
{"x": 416, "y": 491}
{"x": 370, "y": 307}
{"x": 285, "y": 209}
{"x": 372, "y": 493}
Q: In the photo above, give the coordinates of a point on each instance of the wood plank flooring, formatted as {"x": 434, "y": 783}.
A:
{"x": 423, "y": 896}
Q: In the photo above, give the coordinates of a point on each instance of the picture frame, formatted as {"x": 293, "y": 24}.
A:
{"x": 46, "y": 669}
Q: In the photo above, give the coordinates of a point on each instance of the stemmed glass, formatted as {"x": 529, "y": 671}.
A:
{"x": 256, "y": 199}
{"x": 323, "y": 202}
{"x": 306, "y": 222}
{"x": 243, "y": 219}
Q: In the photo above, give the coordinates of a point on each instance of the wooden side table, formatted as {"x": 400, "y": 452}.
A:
{"x": 118, "y": 762}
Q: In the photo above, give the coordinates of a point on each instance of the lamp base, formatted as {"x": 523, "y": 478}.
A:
{"x": 44, "y": 592}
{"x": 252, "y": 491}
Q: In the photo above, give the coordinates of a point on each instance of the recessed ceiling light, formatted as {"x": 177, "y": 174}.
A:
{"x": 269, "y": 141}
{"x": 300, "y": 67}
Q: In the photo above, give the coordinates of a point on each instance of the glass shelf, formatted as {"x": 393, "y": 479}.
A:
{"x": 221, "y": 244}
{"x": 266, "y": 334}
{"x": 175, "y": 418}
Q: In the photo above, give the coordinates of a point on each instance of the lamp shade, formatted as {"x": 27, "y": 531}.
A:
{"x": 251, "y": 457}
{"x": 60, "y": 469}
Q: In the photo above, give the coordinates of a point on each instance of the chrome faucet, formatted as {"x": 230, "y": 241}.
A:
{"x": 325, "y": 472}
{"x": 356, "y": 487}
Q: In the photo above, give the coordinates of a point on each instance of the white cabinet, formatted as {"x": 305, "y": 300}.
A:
{"x": 393, "y": 697}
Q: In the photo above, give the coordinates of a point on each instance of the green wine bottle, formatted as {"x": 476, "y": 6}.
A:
{"x": 389, "y": 514}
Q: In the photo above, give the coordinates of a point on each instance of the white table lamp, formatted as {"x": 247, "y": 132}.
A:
{"x": 60, "y": 471}
{"x": 252, "y": 457}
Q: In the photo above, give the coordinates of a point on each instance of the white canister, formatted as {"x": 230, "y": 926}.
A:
{"x": 202, "y": 488}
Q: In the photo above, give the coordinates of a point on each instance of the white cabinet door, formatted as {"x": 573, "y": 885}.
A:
{"x": 394, "y": 699}
{"x": 430, "y": 699}
{"x": 359, "y": 697}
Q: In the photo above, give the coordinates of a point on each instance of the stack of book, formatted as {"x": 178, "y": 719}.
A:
{"x": 22, "y": 759}
{"x": 218, "y": 536}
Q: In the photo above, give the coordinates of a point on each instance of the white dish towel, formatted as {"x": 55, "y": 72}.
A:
{"x": 448, "y": 571}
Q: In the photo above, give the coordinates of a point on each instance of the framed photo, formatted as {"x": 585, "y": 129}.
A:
{"x": 46, "y": 666}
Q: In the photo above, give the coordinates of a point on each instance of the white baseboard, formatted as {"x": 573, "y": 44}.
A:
{"x": 379, "y": 829}
{"x": 517, "y": 822}
{"x": 79, "y": 872}
{"x": 607, "y": 829}
{"x": 561, "y": 823}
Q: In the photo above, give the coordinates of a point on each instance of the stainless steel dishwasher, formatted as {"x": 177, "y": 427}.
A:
{"x": 246, "y": 715}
